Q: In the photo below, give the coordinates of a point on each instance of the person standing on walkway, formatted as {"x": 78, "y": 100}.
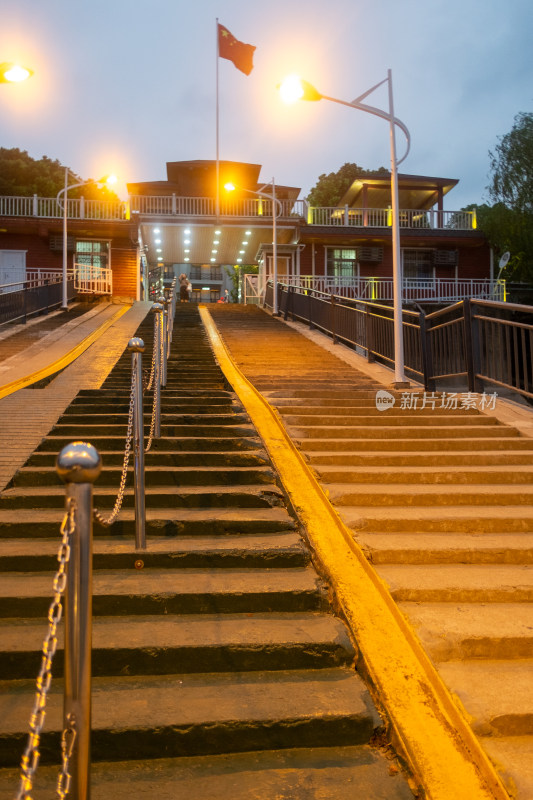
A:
{"x": 184, "y": 294}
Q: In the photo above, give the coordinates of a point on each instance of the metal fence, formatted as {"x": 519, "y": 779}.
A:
{"x": 31, "y": 299}
{"x": 473, "y": 342}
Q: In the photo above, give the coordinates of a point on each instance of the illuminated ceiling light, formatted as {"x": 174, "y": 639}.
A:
{"x": 213, "y": 259}
{"x": 186, "y": 241}
{"x": 186, "y": 259}
{"x": 159, "y": 250}
{"x": 186, "y": 231}
{"x": 186, "y": 251}
{"x": 157, "y": 241}
{"x": 214, "y": 251}
{"x": 245, "y": 243}
{"x": 241, "y": 251}
{"x": 216, "y": 241}
{"x": 239, "y": 260}
{"x": 217, "y": 233}
{"x": 156, "y": 230}
{"x": 247, "y": 233}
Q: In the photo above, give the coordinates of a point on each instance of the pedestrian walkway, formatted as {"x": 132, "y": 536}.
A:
{"x": 28, "y": 414}
{"x": 438, "y": 499}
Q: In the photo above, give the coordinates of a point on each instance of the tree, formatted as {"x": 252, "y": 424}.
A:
{"x": 508, "y": 223}
{"x": 329, "y": 189}
{"x": 22, "y": 175}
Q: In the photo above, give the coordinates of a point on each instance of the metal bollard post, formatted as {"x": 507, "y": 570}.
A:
{"x": 136, "y": 348}
{"x": 163, "y": 340}
{"x": 170, "y": 317}
{"x": 78, "y": 465}
{"x": 157, "y": 308}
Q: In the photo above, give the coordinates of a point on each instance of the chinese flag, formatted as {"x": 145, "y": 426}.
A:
{"x": 229, "y": 47}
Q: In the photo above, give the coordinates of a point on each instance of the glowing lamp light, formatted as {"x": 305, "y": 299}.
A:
{"x": 294, "y": 88}
{"x": 229, "y": 187}
{"x": 14, "y": 73}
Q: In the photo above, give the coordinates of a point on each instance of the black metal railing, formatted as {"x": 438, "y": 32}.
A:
{"x": 22, "y": 303}
{"x": 473, "y": 342}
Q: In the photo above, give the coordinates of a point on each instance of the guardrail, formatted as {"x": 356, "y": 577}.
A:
{"x": 19, "y": 304}
{"x": 473, "y": 341}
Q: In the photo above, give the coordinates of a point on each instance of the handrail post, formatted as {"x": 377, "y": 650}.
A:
{"x": 170, "y": 317}
{"x": 78, "y": 465}
{"x": 157, "y": 308}
{"x": 333, "y": 319}
{"x": 472, "y": 347}
{"x": 136, "y": 348}
{"x": 427, "y": 353}
{"x": 369, "y": 331}
{"x": 163, "y": 339}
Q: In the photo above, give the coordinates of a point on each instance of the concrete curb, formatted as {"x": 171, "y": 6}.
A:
{"x": 65, "y": 360}
{"x": 431, "y": 732}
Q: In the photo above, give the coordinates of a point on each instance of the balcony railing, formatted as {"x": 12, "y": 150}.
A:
{"x": 437, "y": 290}
{"x": 253, "y": 208}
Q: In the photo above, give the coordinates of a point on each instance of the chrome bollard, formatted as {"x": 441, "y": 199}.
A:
{"x": 163, "y": 339}
{"x": 136, "y": 348}
{"x": 78, "y": 465}
{"x": 157, "y": 308}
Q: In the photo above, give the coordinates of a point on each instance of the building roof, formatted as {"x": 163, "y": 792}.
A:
{"x": 414, "y": 191}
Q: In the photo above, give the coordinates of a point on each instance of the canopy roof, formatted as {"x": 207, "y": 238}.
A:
{"x": 414, "y": 191}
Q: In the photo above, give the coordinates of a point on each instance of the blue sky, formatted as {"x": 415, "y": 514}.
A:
{"x": 126, "y": 85}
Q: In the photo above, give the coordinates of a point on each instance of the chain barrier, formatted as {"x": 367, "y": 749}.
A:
{"x": 152, "y": 373}
{"x": 108, "y": 521}
{"x": 30, "y": 758}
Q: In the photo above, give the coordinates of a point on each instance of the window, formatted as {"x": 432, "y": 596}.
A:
{"x": 341, "y": 263}
{"x": 418, "y": 264}
{"x": 94, "y": 254}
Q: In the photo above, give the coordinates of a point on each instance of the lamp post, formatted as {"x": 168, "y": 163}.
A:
{"x": 276, "y": 204}
{"x": 292, "y": 89}
{"x": 109, "y": 179}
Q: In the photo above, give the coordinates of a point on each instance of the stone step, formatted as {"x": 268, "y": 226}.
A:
{"x": 184, "y": 591}
{"x": 202, "y": 497}
{"x": 44, "y": 522}
{"x": 406, "y": 444}
{"x": 467, "y": 631}
{"x": 200, "y": 714}
{"x": 498, "y": 695}
{"x": 403, "y": 431}
{"x": 434, "y": 421}
{"x": 447, "y": 548}
{"x": 326, "y": 463}
{"x": 363, "y": 407}
{"x": 168, "y": 430}
{"x": 161, "y": 459}
{"x": 156, "y": 645}
{"x": 399, "y": 494}
{"x": 207, "y": 444}
{"x": 432, "y": 474}
{"x": 156, "y": 475}
{"x": 453, "y": 519}
{"x": 459, "y": 583}
{"x": 284, "y": 549}
{"x": 328, "y": 773}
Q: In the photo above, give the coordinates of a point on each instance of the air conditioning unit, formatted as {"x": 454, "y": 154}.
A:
{"x": 371, "y": 254}
{"x": 446, "y": 258}
{"x": 56, "y": 244}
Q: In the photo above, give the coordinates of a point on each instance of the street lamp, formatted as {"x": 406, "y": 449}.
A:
{"x": 279, "y": 209}
{"x": 292, "y": 89}
{"x": 108, "y": 179}
{"x": 14, "y": 73}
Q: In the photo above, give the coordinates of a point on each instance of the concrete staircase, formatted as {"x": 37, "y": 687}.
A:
{"x": 219, "y": 668}
{"x": 441, "y": 502}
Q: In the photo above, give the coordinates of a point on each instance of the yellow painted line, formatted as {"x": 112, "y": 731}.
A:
{"x": 64, "y": 361}
{"x": 428, "y": 728}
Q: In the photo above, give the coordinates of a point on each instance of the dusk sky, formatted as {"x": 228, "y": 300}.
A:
{"x": 124, "y": 86}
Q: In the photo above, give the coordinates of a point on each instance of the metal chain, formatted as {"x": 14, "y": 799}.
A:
{"x": 67, "y": 746}
{"x": 154, "y": 355}
{"x": 108, "y": 521}
{"x": 30, "y": 758}
{"x": 152, "y": 369}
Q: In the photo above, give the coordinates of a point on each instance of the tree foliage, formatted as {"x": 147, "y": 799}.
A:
{"x": 508, "y": 223}
{"x": 329, "y": 189}
{"x": 22, "y": 175}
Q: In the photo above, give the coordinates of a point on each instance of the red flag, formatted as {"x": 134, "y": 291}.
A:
{"x": 229, "y": 47}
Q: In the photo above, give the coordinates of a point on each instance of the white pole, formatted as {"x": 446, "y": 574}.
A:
{"x": 399, "y": 375}
{"x": 64, "y": 303}
{"x": 274, "y": 248}
{"x": 217, "y": 178}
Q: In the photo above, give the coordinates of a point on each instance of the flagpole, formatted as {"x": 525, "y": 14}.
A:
{"x": 217, "y": 191}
